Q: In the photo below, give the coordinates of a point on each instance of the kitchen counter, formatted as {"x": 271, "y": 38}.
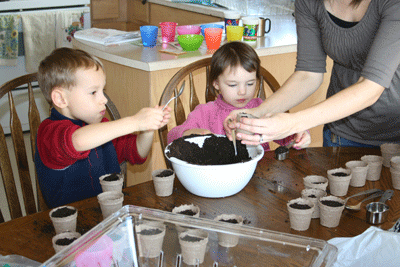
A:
{"x": 281, "y": 39}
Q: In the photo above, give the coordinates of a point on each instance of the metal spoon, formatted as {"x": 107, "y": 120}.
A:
{"x": 365, "y": 192}
{"x": 358, "y": 205}
{"x": 179, "y": 93}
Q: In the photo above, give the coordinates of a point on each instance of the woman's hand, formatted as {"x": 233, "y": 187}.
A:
{"x": 230, "y": 121}
{"x": 271, "y": 127}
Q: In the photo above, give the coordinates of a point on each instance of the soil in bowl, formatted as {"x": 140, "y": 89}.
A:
{"x": 216, "y": 150}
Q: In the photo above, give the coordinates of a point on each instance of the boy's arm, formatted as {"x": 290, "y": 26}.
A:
{"x": 94, "y": 135}
{"x": 144, "y": 142}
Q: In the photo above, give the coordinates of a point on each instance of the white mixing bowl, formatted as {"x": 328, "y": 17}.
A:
{"x": 214, "y": 181}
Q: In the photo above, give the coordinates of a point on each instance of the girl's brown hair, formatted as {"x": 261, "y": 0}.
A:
{"x": 234, "y": 54}
{"x": 59, "y": 68}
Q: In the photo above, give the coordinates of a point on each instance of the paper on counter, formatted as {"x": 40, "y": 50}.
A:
{"x": 107, "y": 36}
{"x": 375, "y": 247}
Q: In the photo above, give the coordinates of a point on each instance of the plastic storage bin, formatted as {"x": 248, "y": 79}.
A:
{"x": 122, "y": 240}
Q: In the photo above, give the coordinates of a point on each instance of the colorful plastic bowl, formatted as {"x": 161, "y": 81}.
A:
{"x": 188, "y": 29}
{"x": 204, "y": 26}
{"x": 190, "y": 42}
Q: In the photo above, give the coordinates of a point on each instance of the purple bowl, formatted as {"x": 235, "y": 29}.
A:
{"x": 188, "y": 29}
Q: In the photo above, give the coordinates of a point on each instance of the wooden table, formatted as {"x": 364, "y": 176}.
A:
{"x": 262, "y": 202}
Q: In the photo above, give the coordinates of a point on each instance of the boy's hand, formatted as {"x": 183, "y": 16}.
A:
{"x": 150, "y": 119}
{"x": 302, "y": 139}
{"x": 197, "y": 131}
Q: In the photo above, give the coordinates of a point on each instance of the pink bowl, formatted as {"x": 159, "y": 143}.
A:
{"x": 188, "y": 29}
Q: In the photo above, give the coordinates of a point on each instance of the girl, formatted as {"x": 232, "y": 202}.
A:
{"x": 234, "y": 72}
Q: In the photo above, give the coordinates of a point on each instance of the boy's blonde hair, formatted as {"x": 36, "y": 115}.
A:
{"x": 59, "y": 68}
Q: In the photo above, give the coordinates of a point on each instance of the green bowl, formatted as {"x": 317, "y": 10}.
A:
{"x": 190, "y": 42}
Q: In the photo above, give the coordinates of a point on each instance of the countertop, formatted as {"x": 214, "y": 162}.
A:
{"x": 281, "y": 39}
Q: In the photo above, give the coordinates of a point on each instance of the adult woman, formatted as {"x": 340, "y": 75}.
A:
{"x": 363, "y": 99}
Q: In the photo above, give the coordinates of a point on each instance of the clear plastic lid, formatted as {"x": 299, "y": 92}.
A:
{"x": 137, "y": 236}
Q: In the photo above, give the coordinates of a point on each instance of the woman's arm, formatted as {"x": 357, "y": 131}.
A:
{"x": 357, "y": 97}
{"x": 299, "y": 86}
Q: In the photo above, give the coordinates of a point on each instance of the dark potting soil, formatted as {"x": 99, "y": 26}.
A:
{"x": 63, "y": 212}
{"x": 187, "y": 212}
{"x": 111, "y": 177}
{"x": 281, "y": 150}
{"x": 165, "y": 173}
{"x": 312, "y": 196}
{"x": 154, "y": 231}
{"x": 340, "y": 174}
{"x": 332, "y": 203}
{"x": 191, "y": 238}
{"x": 229, "y": 221}
{"x": 216, "y": 150}
{"x": 65, "y": 241}
{"x": 300, "y": 206}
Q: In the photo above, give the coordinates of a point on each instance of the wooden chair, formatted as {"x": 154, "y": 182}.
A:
{"x": 20, "y": 152}
{"x": 187, "y": 72}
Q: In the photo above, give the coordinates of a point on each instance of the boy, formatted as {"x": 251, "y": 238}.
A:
{"x": 76, "y": 144}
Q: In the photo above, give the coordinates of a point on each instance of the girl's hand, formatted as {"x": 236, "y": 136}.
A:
{"x": 302, "y": 139}
{"x": 197, "y": 131}
{"x": 230, "y": 121}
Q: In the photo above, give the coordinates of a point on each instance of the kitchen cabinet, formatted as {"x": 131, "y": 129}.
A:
{"x": 109, "y": 14}
{"x": 129, "y": 15}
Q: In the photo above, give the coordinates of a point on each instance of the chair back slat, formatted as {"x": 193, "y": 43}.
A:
{"x": 193, "y": 99}
{"x": 179, "y": 111}
{"x": 21, "y": 158}
{"x": 114, "y": 115}
{"x": 210, "y": 93}
{"x": 261, "y": 91}
{"x": 8, "y": 178}
{"x": 34, "y": 122}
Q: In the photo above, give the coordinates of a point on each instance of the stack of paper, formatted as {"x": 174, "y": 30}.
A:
{"x": 107, "y": 36}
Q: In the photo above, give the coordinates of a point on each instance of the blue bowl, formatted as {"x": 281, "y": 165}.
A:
{"x": 210, "y": 26}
